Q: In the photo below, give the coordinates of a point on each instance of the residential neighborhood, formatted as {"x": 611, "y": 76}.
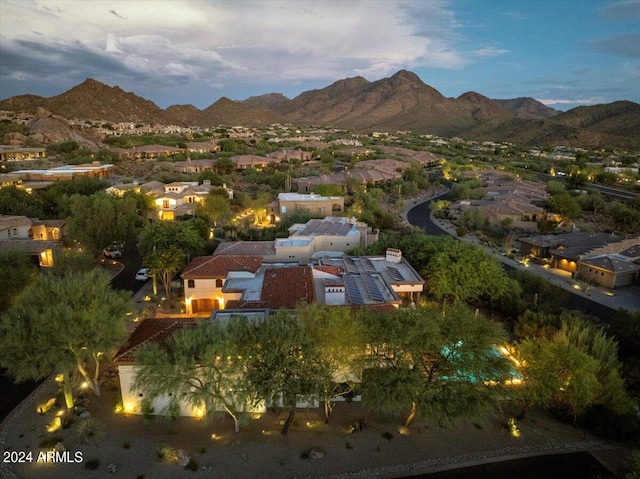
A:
{"x": 220, "y": 241}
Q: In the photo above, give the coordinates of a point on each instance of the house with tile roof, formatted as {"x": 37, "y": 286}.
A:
{"x": 205, "y": 276}
{"x": 245, "y": 162}
{"x": 612, "y": 265}
{"x": 193, "y": 166}
{"x": 564, "y": 251}
{"x": 608, "y": 270}
{"x": 158, "y": 331}
{"x": 32, "y": 237}
{"x": 181, "y": 197}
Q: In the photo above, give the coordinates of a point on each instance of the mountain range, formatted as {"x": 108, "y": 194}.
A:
{"x": 401, "y": 102}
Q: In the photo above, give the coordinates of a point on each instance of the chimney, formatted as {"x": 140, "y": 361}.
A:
{"x": 334, "y": 292}
{"x": 393, "y": 255}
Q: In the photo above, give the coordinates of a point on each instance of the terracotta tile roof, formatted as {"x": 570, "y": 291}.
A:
{"x": 8, "y": 221}
{"x": 287, "y": 287}
{"x": 150, "y": 330}
{"x": 246, "y": 304}
{"x": 327, "y": 268}
{"x": 218, "y": 266}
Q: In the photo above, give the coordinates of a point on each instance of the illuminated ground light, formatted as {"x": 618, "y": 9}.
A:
{"x": 514, "y": 430}
{"x": 54, "y": 425}
{"x": 577, "y": 287}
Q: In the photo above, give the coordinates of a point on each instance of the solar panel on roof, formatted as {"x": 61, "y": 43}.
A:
{"x": 395, "y": 273}
{"x": 368, "y": 265}
{"x": 351, "y": 266}
{"x": 372, "y": 288}
{"x": 353, "y": 292}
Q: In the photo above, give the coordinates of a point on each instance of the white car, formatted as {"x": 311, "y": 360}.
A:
{"x": 112, "y": 253}
{"x": 143, "y": 274}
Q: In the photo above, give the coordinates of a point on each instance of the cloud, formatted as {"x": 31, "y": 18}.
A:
{"x": 565, "y": 101}
{"x": 624, "y": 45}
{"x": 622, "y": 10}
{"x": 226, "y": 42}
{"x": 489, "y": 52}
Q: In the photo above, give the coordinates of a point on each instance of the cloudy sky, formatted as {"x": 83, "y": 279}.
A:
{"x": 564, "y": 53}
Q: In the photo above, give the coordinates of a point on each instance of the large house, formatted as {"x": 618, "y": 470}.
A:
{"x": 288, "y": 203}
{"x": 158, "y": 331}
{"x": 35, "y": 238}
{"x": 564, "y": 251}
{"x": 15, "y": 153}
{"x": 242, "y": 282}
{"x": 174, "y": 199}
{"x": 306, "y": 241}
{"x": 612, "y": 265}
{"x": 205, "y": 276}
{"x": 245, "y": 162}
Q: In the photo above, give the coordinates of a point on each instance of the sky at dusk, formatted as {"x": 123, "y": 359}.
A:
{"x": 564, "y": 53}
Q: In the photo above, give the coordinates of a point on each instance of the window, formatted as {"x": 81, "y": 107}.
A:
{"x": 191, "y": 283}
{"x": 218, "y": 283}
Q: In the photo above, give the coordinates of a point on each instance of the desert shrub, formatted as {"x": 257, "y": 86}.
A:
{"x": 91, "y": 431}
{"x": 166, "y": 453}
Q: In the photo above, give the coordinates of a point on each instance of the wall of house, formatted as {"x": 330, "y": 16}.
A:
{"x": 314, "y": 206}
{"x": 203, "y": 289}
{"x": 336, "y": 243}
{"x": 131, "y": 399}
{"x": 17, "y": 231}
{"x": 605, "y": 278}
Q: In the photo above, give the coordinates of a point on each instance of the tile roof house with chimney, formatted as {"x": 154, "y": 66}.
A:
{"x": 232, "y": 282}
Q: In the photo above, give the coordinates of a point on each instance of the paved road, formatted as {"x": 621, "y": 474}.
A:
{"x": 419, "y": 216}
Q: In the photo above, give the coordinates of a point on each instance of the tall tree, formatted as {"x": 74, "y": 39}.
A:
{"x": 16, "y": 272}
{"x": 569, "y": 362}
{"x": 166, "y": 246}
{"x": 100, "y": 219}
{"x": 62, "y": 324}
{"x": 202, "y": 366}
{"x": 286, "y": 365}
{"x": 216, "y": 208}
{"x": 433, "y": 362}
{"x": 461, "y": 272}
{"x": 339, "y": 333}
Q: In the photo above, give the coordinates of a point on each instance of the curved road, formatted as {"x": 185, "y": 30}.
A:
{"x": 419, "y": 216}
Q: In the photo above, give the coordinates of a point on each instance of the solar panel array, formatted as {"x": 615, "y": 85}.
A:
{"x": 326, "y": 227}
{"x": 372, "y": 288}
{"x": 396, "y": 275}
{"x": 353, "y": 292}
{"x": 368, "y": 265}
{"x": 351, "y": 265}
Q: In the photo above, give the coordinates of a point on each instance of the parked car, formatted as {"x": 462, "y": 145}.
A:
{"x": 143, "y": 274}
{"x": 112, "y": 253}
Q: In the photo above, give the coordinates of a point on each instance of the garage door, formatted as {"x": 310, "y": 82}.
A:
{"x": 204, "y": 305}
